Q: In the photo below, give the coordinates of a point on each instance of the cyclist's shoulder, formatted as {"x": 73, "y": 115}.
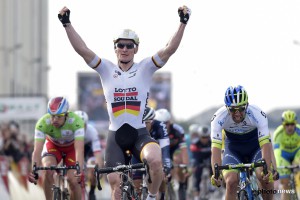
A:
{"x": 74, "y": 121}
{"x": 91, "y": 133}
{"x": 279, "y": 129}
{"x": 177, "y": 128}
{"x": 43, "y": 122}
{"x": 255, "y": 111}
{"x": 91, "y": 128}
{"x": 220, "y": 117}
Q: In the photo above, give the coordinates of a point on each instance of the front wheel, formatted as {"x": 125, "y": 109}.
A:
{"x": 56, "y": 193}
{"x": 124, "y": 196}
{"x": 243, "y": 195}
{"x": 170, "y": 194}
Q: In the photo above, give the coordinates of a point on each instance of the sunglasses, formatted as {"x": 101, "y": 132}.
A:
{"x": 290, "y": 124}
{"x": 128, "y": 46}
{"x": 58, "y": 116}
{"x": 239, "y": 108}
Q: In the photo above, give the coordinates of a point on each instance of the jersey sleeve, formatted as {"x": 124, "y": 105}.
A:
{"x": 40, "y": 129}
{"x": 92, "y": 135}
{"x": 262, "y": 125}
{"x": 78, "y": 128}
{"x": 216, "y": 124}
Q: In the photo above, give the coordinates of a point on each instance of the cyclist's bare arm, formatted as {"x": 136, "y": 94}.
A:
{"x": 79, "y": 152}
{"x": 171, "y": 47}
{"x": 36, "y": 158}
{"x": 215, "y": 157}
{"x": 36, "y": 154}
{"x": 98, "y": 157}
{"x": 266, "y": 150}
{"x": 77, "y": 42}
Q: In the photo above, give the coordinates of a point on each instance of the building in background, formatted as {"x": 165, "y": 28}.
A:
{"x": 23, "y": 53}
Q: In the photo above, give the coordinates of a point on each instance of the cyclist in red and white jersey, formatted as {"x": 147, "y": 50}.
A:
{"x": 126, "y": 89}
{"x": 247, "y": 140}
{"x": 59, "y": 131}
{"x": 92, "y": 150}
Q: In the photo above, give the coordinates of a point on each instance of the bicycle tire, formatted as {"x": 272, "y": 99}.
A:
{"x": 170, "y": 192}
{"x": 243, "y": 195}
{"x": 65, "y": 194}
{"x": 144, "y": 193}
{"x": 124, "y": 196}
{"x": 56, "y": 194}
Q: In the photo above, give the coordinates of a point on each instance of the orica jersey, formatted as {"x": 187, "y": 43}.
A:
{"x": 127, "y": 92}
{"x": 73, "y": 129}
{"x": 255, "y": 119}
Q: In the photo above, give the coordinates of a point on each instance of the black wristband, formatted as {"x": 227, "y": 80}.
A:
{"x": 65, "y": 18}
{"x": 184, "y": 18}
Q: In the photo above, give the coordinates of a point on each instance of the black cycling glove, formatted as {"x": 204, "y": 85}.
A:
{"x": 184, "y": 14}
{"x": 65, "y": 18}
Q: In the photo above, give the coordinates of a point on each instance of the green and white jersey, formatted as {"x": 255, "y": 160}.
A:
{"x": 73, "y": 129}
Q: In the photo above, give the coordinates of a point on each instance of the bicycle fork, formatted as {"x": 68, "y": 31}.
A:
{"x": 245, "y": 184}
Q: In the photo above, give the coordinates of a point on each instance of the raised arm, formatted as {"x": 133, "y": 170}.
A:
{"x": 171, "y": 47}
{"x": 76, "y": 41}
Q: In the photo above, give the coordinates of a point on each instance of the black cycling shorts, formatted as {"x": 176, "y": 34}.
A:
{"x": 125, "y": 138}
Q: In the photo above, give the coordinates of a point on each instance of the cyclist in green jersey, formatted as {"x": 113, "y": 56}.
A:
{"x": 287, "y": 146}
{"x": 59, "y": 131}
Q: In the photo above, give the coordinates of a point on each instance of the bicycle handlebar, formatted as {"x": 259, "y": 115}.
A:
{"x": 289, "y": 167}
{"x": 119, "y": 168}
{"x": 261, "y": 163}
{"x": 54, "y": 167}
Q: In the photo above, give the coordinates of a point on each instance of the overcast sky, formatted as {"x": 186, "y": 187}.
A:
{"x": 251, "y": 43}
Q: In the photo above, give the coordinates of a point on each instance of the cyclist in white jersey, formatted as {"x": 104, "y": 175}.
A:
{"x": 126, "y": 89}
{"x": 92, "y": 150}
{"x": 247, "y": 139}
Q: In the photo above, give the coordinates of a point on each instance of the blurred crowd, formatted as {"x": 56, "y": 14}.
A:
{"x": 13, "y": 143}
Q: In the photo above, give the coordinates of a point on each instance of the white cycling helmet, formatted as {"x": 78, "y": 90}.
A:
{"x": 149, "y": 114}
{"x": 204, "y": 131}
{"x": 82, "y": 115}
{"x": 58, "y": 105}
{"x": 193, "y": 128}
{"x": 162, "y": 115}
{"x": 127, "y": 34}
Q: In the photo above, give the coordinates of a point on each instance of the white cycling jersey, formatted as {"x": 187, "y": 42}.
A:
{"x": 255, "y": 118}
{"x": 127, "y": 92}
{"x": 91, "y": 136}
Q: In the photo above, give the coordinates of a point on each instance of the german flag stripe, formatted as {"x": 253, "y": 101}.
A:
{"x": 116, "y": 109}
{"x": 155, "y": 63}
{"x": 98, "y": 63}
{"x": 133, "y": 103}
{"x": 136, "y": 108}
{"x": 118, "y": 106}
{"x": 116, "y": 114}
{"x": 133, "y": 112}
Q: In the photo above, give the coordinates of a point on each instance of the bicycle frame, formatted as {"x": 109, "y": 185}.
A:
{"x": 127, "y": 187}
{"x": 245, "y": 184}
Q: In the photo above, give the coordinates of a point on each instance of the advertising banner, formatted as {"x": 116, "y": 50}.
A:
{"x": 22, "y": 108}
